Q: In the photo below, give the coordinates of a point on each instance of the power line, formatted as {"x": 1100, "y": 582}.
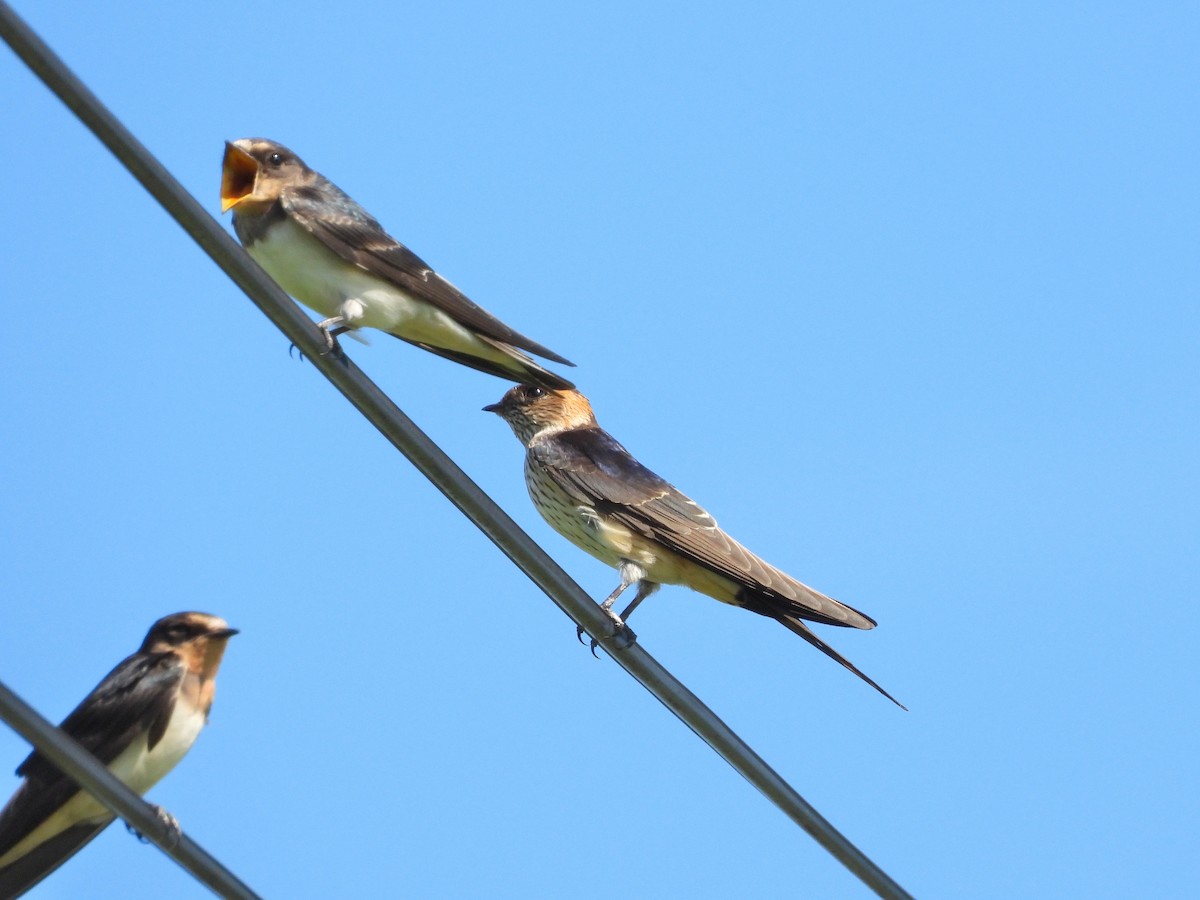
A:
{"x": 429, "y": 459}
{"x": 86, "y": 770}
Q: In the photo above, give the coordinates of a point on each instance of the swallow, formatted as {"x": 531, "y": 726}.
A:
{"x": 593, "y": 492}
{"x": 139, "y": 721}
{"x": 333, "y": 256}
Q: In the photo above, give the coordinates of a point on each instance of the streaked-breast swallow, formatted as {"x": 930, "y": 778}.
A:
{"x": 593, "y": 492}
{"x": 139, "y": 721}
{"x": 333, "y": 256}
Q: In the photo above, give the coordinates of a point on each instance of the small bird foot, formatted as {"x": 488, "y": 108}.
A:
{"x": 331, "y": 340}
{"x": 623, "y": 634}
{"x": 175, "y": 833}
{"x": 334, "y": 347}
{"x": 593, "y": 644}
{"x": 331, "y": 329}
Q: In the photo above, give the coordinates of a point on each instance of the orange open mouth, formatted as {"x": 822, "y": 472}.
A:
{"x": 239, "y": 172}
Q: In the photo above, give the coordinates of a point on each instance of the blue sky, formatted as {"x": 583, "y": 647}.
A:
{"x": 906, "y": 296}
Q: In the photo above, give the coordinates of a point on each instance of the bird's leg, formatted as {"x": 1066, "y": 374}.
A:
{"x": 331, "y": 339}
{"x": 645, "y": 589}
{"x": 331, "y": 328}
{"x": 631, "y": 572}
{"x": 607, "y": 605}
{"x": 175, "y": 833}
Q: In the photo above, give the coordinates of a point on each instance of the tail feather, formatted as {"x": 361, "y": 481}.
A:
{"x": 798, "y": 627}
{"x": 24, "y": 872}
{"x": 805, "y": 603}
{"x": 772, "y": 592}
{"x": 522, "y": 369}
{"x": 523, "y": 343}
{"x": 817, "y": 607}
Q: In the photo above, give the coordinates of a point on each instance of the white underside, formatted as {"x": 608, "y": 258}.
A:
{"x": 322, "y": 280}
{"x": 136, "y": 767}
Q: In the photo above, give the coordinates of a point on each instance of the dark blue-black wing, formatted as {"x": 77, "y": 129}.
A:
{"x": 137, "y": 697}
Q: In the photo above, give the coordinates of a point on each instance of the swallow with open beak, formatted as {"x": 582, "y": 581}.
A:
{"x": 139, "y": 721}
{"x": 333, "y": 256}
{"x": 593, "y": 492}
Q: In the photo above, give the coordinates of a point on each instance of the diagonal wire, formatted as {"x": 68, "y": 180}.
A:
{"x": 379, "y": 409}
{"x": 85, "y": 769}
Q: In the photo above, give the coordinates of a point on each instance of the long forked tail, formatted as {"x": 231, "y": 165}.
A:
{"x": 797, "y": 627}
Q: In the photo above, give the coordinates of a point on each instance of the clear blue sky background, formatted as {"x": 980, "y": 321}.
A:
{"x": 906, "y": 296}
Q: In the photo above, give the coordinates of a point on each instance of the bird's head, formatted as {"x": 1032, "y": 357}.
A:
{"x": 256, "y": 171}
{"x": 197, "y": 637}
{"x": 533, "y": 412}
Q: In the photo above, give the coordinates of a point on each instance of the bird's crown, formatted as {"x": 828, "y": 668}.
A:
{"x": 534, "y": 412}
{"x": 184, "y": 628}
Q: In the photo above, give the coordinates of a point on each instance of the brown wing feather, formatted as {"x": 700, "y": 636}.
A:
{"x": 346, "y": 229}
{"x": 592, "y": 465}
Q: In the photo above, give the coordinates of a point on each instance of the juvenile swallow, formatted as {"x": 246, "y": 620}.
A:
{"x": 139, "y": 721}
{"x": 333, "y": 256}
{"x": 595, "y": 494}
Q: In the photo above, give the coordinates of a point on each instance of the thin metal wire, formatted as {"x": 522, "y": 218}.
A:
{"x": 429, "y": 459}
{"x": 76, "y": 762}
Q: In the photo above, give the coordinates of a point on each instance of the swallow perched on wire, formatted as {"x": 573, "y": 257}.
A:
{"x": 139, "y": 721}
{"x": 333, "y": 256}
{"x": 596, "y": 495}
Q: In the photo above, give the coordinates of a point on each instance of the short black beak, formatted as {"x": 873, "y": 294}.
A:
{"x": 223, "y": 633}
{"x": 493, "y": 407}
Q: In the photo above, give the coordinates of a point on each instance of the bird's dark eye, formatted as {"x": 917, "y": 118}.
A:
{"x": 532, "y": 392}
{"x": 275, "y": 159}
{"x": 179, "y": 632}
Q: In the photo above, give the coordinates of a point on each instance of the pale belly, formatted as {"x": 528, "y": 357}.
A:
{"x": 134, "y": 766}
{"x": 323, "y": 281}
{"x": 141, "y": 771}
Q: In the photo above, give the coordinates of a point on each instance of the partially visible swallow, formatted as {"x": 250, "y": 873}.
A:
{"x": 139, "y": 721}
{"x": 333, "y": 256}
{"x": 595, "y": 494}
